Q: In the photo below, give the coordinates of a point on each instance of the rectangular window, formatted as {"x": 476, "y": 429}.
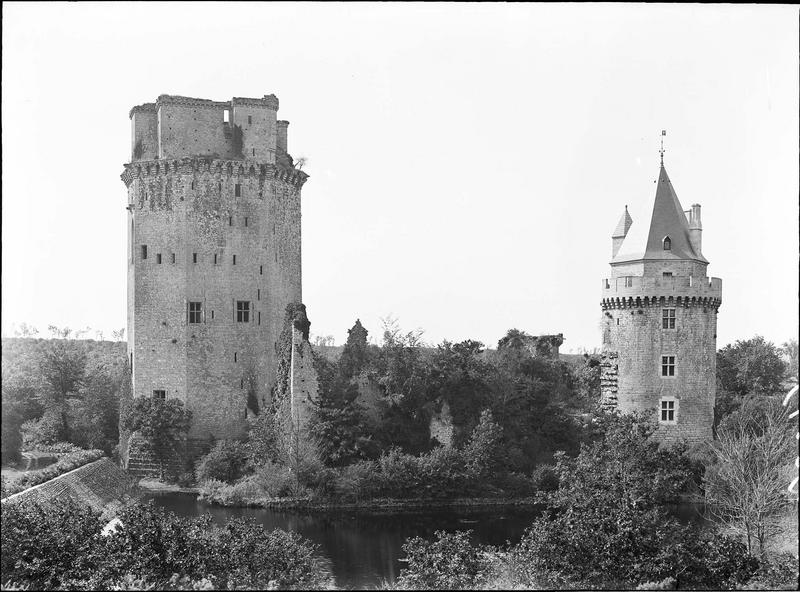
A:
{"x": 254, "y": 151}
{"x": 194, "y": 184}
{"x": 159, "y": 394}
{"x": 234, "y": 259}
{"x": 235, "y": 356}
{"x": 258, "y": 294}
{"x": 628, "y": 281}
{"x": 158, "y": 258}
{"x": 260, "y": 270}
{"x": 259, "y": 317}
{"x": 237, "y": 190}
{"x": 226, "y": 116}
{"x": 249, "y": 119}
{"x": 230, "y": 220}
{"x": 242, "y": 311}
{"x": 131, "y": 362}
{"x": 195, "y": 312}
{"x": 668, "y": 318}
{"x": 245, "y": 220}
{"x": 144, "y": 251}
{"x": 173, "y": 257}
{"x": 212, "y": 315}
{"x": 241, "y": 383}
{"x": 666, "y": 274}
{"x": 667, "y": 411}
{"x": 667, "y": 365}
{"x": 194, "y": 257}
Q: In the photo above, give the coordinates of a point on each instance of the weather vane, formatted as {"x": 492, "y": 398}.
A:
{"x": 663, "y": 133}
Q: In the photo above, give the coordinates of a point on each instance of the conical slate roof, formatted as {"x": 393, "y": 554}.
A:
{"x": 623, "y": 225}
{"x": 668, "y": 220}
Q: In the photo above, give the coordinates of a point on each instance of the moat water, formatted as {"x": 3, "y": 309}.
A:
{"x": 365, "y": 548}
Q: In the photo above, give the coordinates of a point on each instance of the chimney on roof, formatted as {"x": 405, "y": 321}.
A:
{"x": 695, "y": 229}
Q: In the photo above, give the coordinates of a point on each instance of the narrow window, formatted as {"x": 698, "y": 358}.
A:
{"x": 668, "y": 318}
{"x": 667, "y": 411}
{"x": 241, "y": 383}
{"x": 242, "y": 311}
{"x": 667, "y": 243}
{"x": 195, "y": 312}
{"x": 259, "y": 317}
{"x": 245, "y": 220}
{"x": 215, "y": 258}
{"x": 234, "y": 259}
{"x": 258, "y": 294}
{"x": 144, "y": 251}
{"x": 220, "y": 186}
{"x": 617, "y": 321}
{"x": 158, "y": 258}
{"x": 194, "y": 257}
{"x": 628, "y": 281}
{"x": 254, "y": 151}
{"x": 131, "y": 362}
{"x": 173, "y": 257}
{"x": 667, "y": 365}
{"x": 230, "y": 220}
{"x": 260, "y": 270}
{"x": 212, "y": 315}
{"x": 159, "y": 394}
{"x": 226, "y": 116}
{"x": 237, "y": 190}
{"x": 235, "y": 356}
{"x": 249, "y": 119}
{"x": 193, "y": 184}
{"x": 276, "y": 256}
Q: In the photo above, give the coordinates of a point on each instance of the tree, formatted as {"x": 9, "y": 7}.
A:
{"x": 753, "y": 366}
{"x": 746, "y": 487}
{"x": 605, "y": 526}
{"x": 790, "y": 351}
{"x": 162, "y": 423}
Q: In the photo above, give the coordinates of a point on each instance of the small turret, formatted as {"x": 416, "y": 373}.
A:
{"x": 695, "y": 229}
{"x": 620, "y": 232}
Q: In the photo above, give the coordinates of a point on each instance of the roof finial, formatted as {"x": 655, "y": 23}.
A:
{"x": 663, "y": 133}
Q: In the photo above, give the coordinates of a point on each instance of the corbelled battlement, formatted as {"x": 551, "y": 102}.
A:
{"x": 212, "y": 166}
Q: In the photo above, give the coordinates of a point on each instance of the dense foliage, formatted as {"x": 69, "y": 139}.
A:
{"x": 162, "y": 423}
{"x": 61, "y": 389}
{"x": 227, "y": 461}
{"x": 60, "y": 547}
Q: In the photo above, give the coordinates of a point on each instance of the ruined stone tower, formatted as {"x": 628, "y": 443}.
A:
{"x": 213, "y": 254}
{"x": 660, "y": 320}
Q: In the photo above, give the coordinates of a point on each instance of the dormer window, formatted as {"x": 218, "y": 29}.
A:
{"x": 667, "y": 243}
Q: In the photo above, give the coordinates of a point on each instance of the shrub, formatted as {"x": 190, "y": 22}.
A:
{"x": 43, "y": 545}
{"x": 59, "y": 546}
{"x": 48, "y": 429}
{"x": 69, "y": 463}
{"x": 59, "y": 448}
{"x": 227, "y": 461}
{"x": 447, "y": 563}
{"x": 779, "y": 572}
{"x": 274, "y": 479}
{"x": 357, "y": 481}
{"x": 545, "y": 478}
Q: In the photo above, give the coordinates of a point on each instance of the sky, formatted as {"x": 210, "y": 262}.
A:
{"x": 468, "y": 162}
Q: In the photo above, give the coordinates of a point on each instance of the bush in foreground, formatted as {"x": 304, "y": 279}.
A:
{"x": 60, "y": 547}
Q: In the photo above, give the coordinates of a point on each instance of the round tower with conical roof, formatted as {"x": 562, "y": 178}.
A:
{"x": 660, "y": 320}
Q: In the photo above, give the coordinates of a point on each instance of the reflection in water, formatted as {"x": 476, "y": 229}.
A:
{"x": 365, "y": 548}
